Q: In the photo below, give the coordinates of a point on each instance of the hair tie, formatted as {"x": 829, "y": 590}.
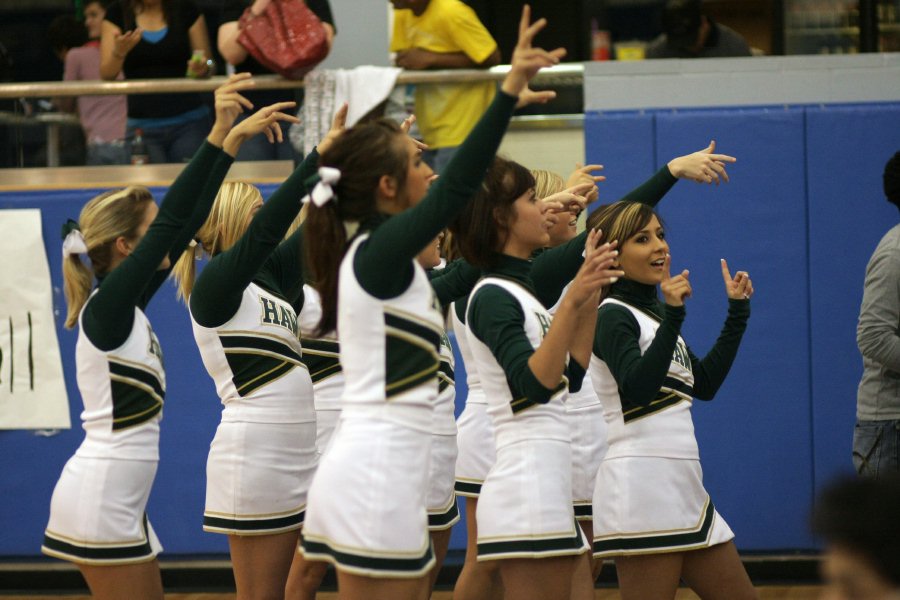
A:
{"x": 322, "y": 192}
{"x": 73, "y": 239}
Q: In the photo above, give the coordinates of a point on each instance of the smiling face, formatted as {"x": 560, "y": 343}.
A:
{"x": 93, "y": 18}
{"x": 642, "y": 256}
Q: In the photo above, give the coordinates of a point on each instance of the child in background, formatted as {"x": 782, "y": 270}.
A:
{"x": 444, "y": 34}
{"x": 102, "y": 117}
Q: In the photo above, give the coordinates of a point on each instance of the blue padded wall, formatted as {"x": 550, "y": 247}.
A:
{"x": 846, "y": 149}
{"x": 760, "y": 416}
{"x": 619, "y": 142}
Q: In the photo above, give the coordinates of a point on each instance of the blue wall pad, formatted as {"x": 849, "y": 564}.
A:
{"x": 760, "y": 417}
{"x": 623, "y": 144}
{"x": 847, "y": 148}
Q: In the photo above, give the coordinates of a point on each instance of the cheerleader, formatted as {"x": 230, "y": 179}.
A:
{"x": 525, "y": 364}
{"x": 263, "y": 455}
{"x": 651, "y": 512}
{"x": 367, "y": 512}
{"x": 551, "y": 272}
{"x": 97, "y": 513}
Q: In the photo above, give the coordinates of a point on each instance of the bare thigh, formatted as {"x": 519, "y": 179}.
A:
{"x": 649, "y": 576}
{"x": 538, "y": 579}
{"x": 124, "y": 582}
{"x": 717, "y": 573}
{"x": 261, "y": 564}
{"x": 359, "y": 587}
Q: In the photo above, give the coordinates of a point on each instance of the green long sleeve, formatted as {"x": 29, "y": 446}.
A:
{"x": 383, "y": 263}
{"x": 219, "y": 288}
{"x": 109, "y": 314}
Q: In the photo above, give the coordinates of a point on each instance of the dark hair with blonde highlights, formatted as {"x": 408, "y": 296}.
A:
{"x": 481, "y": 228}
{"x": 363, "y": 154}
{"x": 621, "y": 220}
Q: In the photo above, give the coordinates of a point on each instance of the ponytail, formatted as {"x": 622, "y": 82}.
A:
{"x": 104, "y": 219}
{"x": 227, "y": 222}
{"x": 363, "y": 154}
{"x": 77, "y": 281}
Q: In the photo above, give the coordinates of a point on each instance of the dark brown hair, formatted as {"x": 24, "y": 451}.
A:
{"x": 131, "y": 8}
{"x": 363, "y": 154}
{"x": 481, "y": 228}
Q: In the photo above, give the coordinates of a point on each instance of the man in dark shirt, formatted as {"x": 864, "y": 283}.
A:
{"x": 688, "y": 33}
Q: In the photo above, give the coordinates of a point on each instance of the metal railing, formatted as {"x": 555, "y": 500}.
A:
{"x": 564, "y": 75}
{"x": 570, "y": 74}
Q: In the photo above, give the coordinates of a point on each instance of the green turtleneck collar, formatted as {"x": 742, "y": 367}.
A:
{"x": 510, "y": 267}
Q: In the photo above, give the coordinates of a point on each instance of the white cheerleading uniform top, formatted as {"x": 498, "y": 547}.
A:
{"x": 321, "y": 354}
{"x": 513, "y": 419}
{"x": 662, "y": 429}
{"x": 444, "y": 421}
{"x": 123, "y": 392}
{"x": 255, "y": 359}
{"x": 389, "y": 348}
{"x": 473, "y": 382}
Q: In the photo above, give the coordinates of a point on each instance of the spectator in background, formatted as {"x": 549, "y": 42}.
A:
{"x": 153, "y": 39}
{"x": 237, "y": 56}
{"x": 876, "y": 437}
{"x": 444, "y": 34}
{"x": 102, "y": 117}
{"x": 860, "y": 522}
{"x": 688, "y": 33}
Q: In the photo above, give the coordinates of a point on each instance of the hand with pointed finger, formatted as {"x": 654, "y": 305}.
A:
{"x": 585, "y": 174}
{"x": 528, "y": 96}
{"x": 570, "y": 200}
{"x": 675, "y": 289}
{"x": 703, "y": 166}
{"x": 527, "y": 60}
{"x": 338, "y": 126}
{"x": 266, "y": 120}
{"x": 738, "y": 287}
{"x": 229, "y": 103}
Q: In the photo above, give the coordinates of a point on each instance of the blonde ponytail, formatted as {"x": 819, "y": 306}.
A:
{"x": 105, "y": 218}
{"x": 77, "y": 280}
{"x": 228, "y": 220}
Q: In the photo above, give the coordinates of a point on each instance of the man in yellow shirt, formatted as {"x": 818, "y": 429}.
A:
{"x": 444, "y": 34}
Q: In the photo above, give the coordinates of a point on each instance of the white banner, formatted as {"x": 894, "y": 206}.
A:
{"x": 32, "y": 388}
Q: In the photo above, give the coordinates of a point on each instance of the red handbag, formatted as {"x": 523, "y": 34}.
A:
{"x": 287, "y": 38}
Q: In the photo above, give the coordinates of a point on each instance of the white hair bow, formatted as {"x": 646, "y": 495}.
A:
{"x": 74, "y": 243}
{"x": 323, "y": 192}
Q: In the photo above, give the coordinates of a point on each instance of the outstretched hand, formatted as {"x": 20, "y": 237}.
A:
{"x": 585, "y": 174}
{"x": 265, "y": 120}
{"x": 527, "y": 60}
{"x": 703, "y": 166}
{"x": 125, "y": 42}
{"x": 675, "y": 289}
{"x": 338, "y": 126}
{"x": 738, "y": 287}
{"x": 528, "y": 96}
{"x": 571, "y": 200}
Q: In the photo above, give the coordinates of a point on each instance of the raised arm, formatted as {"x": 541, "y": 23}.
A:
{"x": 710, "y": 372}
{"x": 401, "y": 238}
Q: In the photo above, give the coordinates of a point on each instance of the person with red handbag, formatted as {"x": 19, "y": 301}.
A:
{"x": 236, "y": 13}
